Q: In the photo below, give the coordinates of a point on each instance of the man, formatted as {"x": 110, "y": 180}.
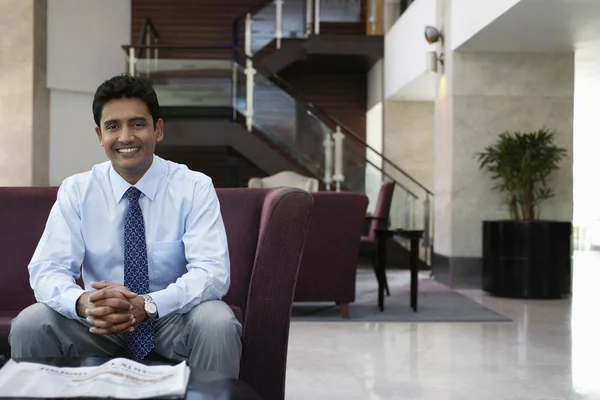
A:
{"x": 149, "y": 238}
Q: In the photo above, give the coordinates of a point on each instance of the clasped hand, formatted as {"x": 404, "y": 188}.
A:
{"x": 111, "y": 309}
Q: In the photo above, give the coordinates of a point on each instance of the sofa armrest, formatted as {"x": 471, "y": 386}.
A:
{"x": 284, "y": 224}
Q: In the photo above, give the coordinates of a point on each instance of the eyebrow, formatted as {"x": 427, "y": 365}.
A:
{"x": 130, "y": 120}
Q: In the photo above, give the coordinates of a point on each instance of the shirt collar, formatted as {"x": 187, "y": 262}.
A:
{"x": 148, "y": 184}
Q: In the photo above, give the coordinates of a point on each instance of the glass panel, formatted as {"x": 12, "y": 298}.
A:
{"x": 264, "y": 23}
{"x": 340, "y": 10}
{"x": 188, "y": 82}
{"x": 263, "y": 27}
{"x": 294, "y": 19}
{"x": 285, "y": 122}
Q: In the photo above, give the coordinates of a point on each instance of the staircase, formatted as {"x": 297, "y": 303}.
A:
{"x": 244, "y": 88}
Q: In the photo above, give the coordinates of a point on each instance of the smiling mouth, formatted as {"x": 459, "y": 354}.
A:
{"x": 128, "y": 151}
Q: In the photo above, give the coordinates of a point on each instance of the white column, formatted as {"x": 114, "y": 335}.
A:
{"x": 250, "y": 72}
{"x": 338, "y": 176}
{"x": 278, "y": 22}
{"x": 328, "y": 144}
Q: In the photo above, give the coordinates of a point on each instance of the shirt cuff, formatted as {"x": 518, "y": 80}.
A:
{"x": 69, "y": 302}
{"x": 167, "y": 301}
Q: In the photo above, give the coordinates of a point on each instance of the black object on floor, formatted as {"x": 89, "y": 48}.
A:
{"x": 527, "y": 259}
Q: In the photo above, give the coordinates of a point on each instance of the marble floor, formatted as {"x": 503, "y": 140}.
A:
{"x": 548, "y": 352}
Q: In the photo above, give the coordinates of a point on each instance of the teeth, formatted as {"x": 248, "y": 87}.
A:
{"x": 128, "y": 150}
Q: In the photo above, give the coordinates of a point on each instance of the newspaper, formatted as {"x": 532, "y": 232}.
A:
{"x": 118, "y": 378}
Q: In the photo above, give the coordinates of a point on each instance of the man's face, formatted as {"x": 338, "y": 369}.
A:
{"x": 129, "y": 137}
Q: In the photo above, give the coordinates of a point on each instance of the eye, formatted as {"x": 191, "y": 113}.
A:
{"x": 139, "y": 124}
{"x": 111, "y": 127}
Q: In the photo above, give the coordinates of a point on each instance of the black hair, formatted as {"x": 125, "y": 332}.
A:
{"x": 132, "y": 87}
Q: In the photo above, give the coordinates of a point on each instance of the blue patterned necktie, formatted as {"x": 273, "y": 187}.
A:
{"x": 141, "y": 341}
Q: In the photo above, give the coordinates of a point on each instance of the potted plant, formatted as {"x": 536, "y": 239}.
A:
{"x": 525, "y": 257}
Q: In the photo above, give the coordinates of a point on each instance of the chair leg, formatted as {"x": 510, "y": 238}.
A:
{"x": 345, "y": 310}
{"x": 382, "y": 273}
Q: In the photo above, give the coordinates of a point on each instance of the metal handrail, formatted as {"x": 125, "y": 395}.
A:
{"x": 176, "y": 46}
{"x": 148, "y": 25}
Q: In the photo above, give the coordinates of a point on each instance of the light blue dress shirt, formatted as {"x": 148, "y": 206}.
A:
{"x": 188, "y": 257}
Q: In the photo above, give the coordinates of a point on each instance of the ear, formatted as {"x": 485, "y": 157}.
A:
{"x": 99, "y": 134}
{"x": 159, "y": 129}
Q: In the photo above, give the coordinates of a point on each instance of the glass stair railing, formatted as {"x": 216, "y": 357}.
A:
{"x": 188, "y": 79}
{"x": 199, "y": 76}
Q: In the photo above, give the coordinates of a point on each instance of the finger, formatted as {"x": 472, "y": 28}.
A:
{"x": 98, "y": 311}
{"x": 110, "y": 293}
{"x": 103, "y": 284}
{"x": 110, "y": 320}
{"x": 113, "y": 330}
{"x": 116, "y": 319}
{"x": 99, "y": 323}
{"x": 115, "y": 304}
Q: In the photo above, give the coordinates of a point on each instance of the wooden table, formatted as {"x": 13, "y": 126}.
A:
{"x": 414, "y": 236}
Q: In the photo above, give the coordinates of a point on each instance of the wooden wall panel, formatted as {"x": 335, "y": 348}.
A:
{"x": 225, "y": 166}
{"x": 341, "y": 94}
{"x": 194, "y": 22}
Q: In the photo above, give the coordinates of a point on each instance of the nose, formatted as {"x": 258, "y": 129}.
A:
{"x": 125, "y": 136}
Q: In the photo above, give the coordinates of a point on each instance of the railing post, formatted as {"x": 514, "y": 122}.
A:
{"x": 373, "y": 16}
{"x": 309, "y": 17}
{"x": 426, "y": 227}
{"x": 131, "y": 61}
{"x": 250, "y": 72}
{"x": 317, "y": 16}
{"x": 278, "y": 22}
{"x": 234, "y": 84}
{"x": 328, "y": 144}
{"x": 338, "y": 176}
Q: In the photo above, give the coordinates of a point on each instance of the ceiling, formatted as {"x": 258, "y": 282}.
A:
{"x": 541, "y": 26}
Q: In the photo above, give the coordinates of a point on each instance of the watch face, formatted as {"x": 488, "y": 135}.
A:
{"x": 151, "y": 308}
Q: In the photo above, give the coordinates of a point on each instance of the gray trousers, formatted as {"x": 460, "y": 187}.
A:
{"x": 209, "y": 337}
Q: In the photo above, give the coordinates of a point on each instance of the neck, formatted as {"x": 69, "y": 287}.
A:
{"x": 133, "y": 177}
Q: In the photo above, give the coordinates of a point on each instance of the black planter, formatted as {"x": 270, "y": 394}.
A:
{"x": 527, "y": 259}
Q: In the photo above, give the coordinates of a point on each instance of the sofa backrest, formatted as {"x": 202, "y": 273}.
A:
{"x": 23, "y": 215}
{"x": 330, "y": 255}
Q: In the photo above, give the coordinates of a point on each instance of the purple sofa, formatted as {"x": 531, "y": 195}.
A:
{"x": 266, "y": 230}
{"x": 328, "y": 267}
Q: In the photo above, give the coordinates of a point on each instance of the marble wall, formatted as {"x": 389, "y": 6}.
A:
{"x": 494, "y": 93}
{"x": 408, "y": 139}
{"x": 24, "y": 101}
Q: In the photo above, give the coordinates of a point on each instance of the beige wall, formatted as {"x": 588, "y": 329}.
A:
{"x": 408, "y": 138}
{"x": 24, "y": 101}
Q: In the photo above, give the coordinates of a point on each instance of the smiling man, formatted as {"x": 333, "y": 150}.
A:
{"x": 148, "y": 236}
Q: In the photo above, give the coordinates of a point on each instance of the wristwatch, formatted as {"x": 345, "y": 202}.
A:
{"x": 150, "y": 307}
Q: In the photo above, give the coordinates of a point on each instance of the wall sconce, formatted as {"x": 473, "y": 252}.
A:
{"x": 434, "y": 35}
{"x": 432, "y": 61}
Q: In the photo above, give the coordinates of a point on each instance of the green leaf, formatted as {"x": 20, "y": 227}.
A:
{"x": 520, "y": 164}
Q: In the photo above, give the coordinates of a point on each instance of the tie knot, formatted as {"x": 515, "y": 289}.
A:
{"x": 133, "y": 194}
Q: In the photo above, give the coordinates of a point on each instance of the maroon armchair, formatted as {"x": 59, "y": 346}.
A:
{"x": 328, "y": 267}
{"x": 266, "y": 229}
{"x": 378, "y": 220}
